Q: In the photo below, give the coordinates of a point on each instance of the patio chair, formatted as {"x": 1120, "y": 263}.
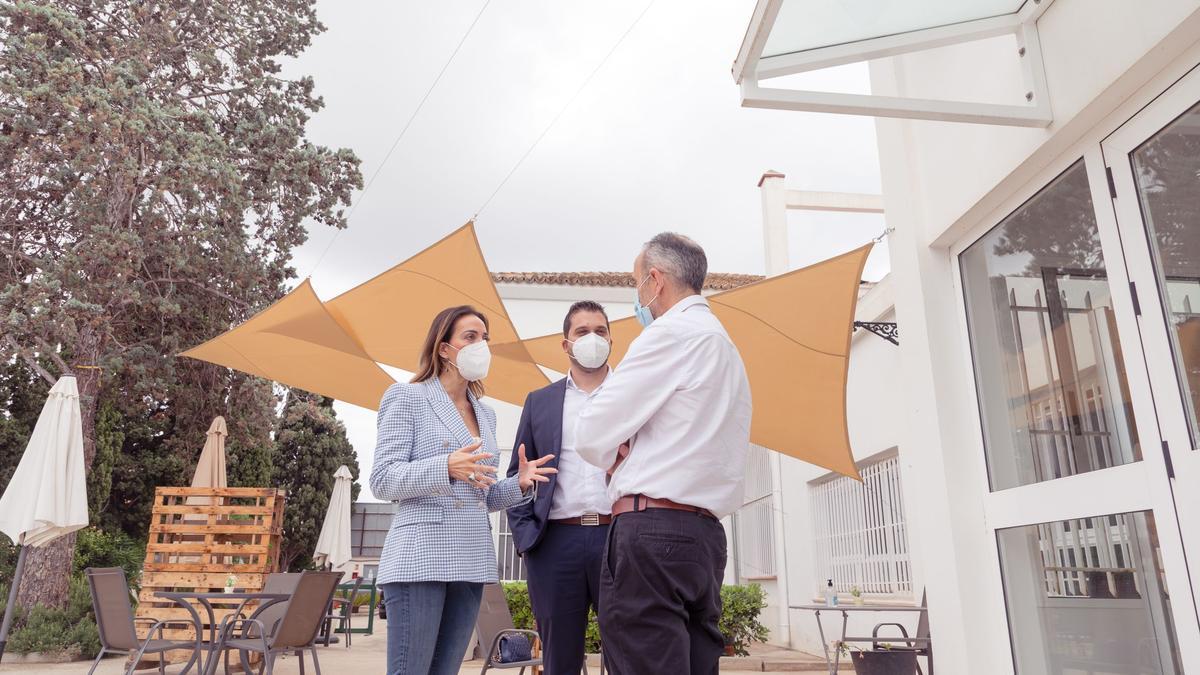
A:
{"x": 115, "y": 622}
{"x": 296, "y": 631}
{"x": 494, "y": 622}
{"x": 269, "y": 614}
{"x": 340, "y": 610}
{"x": 920, "y": 644}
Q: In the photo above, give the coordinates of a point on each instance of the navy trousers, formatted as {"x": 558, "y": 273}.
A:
{"x": 564, "y": 582}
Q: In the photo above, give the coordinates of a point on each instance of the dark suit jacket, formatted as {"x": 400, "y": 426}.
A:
{"x": 540, "y": 430}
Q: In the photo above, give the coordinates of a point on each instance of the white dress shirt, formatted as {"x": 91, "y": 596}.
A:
{"x": 579, "y": 487}
{"x": 682, "y": 396}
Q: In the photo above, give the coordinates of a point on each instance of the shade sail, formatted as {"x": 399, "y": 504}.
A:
{"x": 333, "y": 544}
{"x": 296, "y": 342}
{"x": 47, "y": 496}
{"x": 793, "y": 332}
{"x": 390, "y": 314}
{"x": 210, "y": 468}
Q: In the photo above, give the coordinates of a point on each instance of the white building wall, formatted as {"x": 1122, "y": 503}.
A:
{"x": 942, "y": 182}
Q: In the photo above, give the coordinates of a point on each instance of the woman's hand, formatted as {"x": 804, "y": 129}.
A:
{"x": 469, "y": 466}
{"x": 533, "y": 472}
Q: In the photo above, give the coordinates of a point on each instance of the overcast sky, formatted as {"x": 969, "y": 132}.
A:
{"x": 656, "y": 141}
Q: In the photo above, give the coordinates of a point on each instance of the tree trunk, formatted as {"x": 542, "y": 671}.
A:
{"x": 48, "y": 569}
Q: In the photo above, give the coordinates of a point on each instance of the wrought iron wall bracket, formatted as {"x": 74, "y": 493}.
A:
{"x": 886, "y": 330}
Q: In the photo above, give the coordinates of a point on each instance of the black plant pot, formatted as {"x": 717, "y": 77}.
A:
{"x": 885, "y": 662}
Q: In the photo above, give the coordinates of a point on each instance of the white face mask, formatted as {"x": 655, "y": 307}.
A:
{"x": 473, "y": 361}
{"x": 591, "y": 350}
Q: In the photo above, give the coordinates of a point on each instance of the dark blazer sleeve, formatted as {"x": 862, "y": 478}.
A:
{"x": 524, "y": 436}
{"x": 521, "y": 519}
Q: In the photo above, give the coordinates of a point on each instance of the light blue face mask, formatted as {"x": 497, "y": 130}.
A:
{"x": 642, "y": 312}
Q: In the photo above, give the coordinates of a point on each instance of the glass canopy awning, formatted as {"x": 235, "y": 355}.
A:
{"x": 793, "y": 36}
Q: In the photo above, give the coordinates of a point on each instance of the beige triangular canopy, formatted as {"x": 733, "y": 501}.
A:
{"x": 390, "y": 314}
{"x": 793, "y": 332}
{"x": 296, "y": 342}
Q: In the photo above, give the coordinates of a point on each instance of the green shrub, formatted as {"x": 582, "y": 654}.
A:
{"x": 741, "y": 606}
{"x": 740, "y": 609}
{"x": 70, "y": 630}
{"x": 517, "y": 594}
{"x": 97, "y": 548}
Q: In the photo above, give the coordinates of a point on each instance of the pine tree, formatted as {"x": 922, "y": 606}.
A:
{"x": 155, "y": 177}
{"x": 309, "y": 447}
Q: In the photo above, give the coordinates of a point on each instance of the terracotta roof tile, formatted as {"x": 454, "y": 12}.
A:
{"x": 715, "y": 282}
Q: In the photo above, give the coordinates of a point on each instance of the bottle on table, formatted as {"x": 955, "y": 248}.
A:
{"x": 831, "y": 598}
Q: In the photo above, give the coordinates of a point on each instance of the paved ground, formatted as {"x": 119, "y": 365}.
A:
{"x": 366, "y": 657}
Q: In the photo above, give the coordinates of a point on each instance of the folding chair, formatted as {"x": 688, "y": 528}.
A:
{"x": 494, "y": 622}
{"x": 114, "y": 619}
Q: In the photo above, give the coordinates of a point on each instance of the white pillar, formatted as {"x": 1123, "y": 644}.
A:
{"x": 775, "y": 249}
{"x": 775, "y": 237}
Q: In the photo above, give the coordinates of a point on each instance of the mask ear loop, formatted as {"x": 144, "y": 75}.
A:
{"x": 639, "y": 287}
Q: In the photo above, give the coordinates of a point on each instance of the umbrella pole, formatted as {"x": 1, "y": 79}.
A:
{"x": 12, "y": 595}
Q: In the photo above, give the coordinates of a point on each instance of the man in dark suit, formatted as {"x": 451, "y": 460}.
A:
{"x": 561, "y": 533}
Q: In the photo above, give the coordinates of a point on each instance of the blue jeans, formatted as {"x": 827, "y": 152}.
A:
{"x": 428, "y": 625}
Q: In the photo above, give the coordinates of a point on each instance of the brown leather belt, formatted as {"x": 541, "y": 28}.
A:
{"x": 631, "y": 503}
{"x": 587, "y": 520}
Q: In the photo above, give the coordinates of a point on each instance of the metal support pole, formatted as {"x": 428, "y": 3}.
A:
{"x": 12, "y": 595}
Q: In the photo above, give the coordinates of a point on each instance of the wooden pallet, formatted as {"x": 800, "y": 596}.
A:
{"x": 200, "y": 536}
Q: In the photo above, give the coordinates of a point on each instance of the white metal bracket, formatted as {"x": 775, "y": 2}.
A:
{"x": 751, "y": 68}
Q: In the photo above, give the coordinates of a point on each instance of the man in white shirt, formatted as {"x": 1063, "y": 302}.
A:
{"x": 561, "y": 534}
{"x": 681, "y": 399}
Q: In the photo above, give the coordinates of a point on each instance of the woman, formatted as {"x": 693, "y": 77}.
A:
{"x": 436, "y": 455}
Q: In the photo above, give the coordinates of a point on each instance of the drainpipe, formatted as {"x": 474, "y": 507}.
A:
{"x": 775, "y": 248}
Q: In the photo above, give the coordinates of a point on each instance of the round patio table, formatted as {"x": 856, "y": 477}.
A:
{"x": 205, "y": 598}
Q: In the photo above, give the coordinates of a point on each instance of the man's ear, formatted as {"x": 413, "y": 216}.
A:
{"x": 566, "y": 345}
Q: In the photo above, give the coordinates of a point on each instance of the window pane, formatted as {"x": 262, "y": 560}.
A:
{"x": 860, "y": 538}
{"x": 1052, "y": 390}
{"x": 1169, "y": 190}
{"x": 1088, "y": 596}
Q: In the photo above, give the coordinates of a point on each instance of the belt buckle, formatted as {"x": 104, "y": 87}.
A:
{"x": 590, "y": 519}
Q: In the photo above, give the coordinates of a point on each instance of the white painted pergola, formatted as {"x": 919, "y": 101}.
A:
{"x": 777, "y": 200}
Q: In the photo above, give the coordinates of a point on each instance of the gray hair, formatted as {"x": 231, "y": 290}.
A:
{"x": 678, "y": 257}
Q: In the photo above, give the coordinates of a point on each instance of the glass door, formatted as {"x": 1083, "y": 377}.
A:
{"x": 1086, "y": 532}
{"x": 1153, "y": 166}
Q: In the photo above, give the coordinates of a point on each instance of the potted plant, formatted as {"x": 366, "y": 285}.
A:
{"x": 740, "y": 608}
{"x": 883, "y": 660}
{"x": 856, "y": 593}
{"x": 230, "y": 583}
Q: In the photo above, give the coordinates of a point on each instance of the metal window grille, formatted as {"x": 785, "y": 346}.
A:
{"x": 754, "y": 524}
{"x": 1090, "y": 557}
{"x": 511, "y": 567}
{"x": 859, "y": 533}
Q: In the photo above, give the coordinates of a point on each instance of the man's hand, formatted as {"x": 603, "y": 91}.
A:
{"x": 467, "y": 465}
{"x": 533, "y": 472}
{"x": 622, "y": 453}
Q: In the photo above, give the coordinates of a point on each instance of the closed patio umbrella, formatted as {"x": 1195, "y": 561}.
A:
{"x": 333, "y": 545}
{"x": 210, "y": 468}
{"x": 47, "y": 496}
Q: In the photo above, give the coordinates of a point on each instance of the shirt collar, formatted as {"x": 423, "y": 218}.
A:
{"x": 571, "y": 381}
{"x": 684, "y": 305}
